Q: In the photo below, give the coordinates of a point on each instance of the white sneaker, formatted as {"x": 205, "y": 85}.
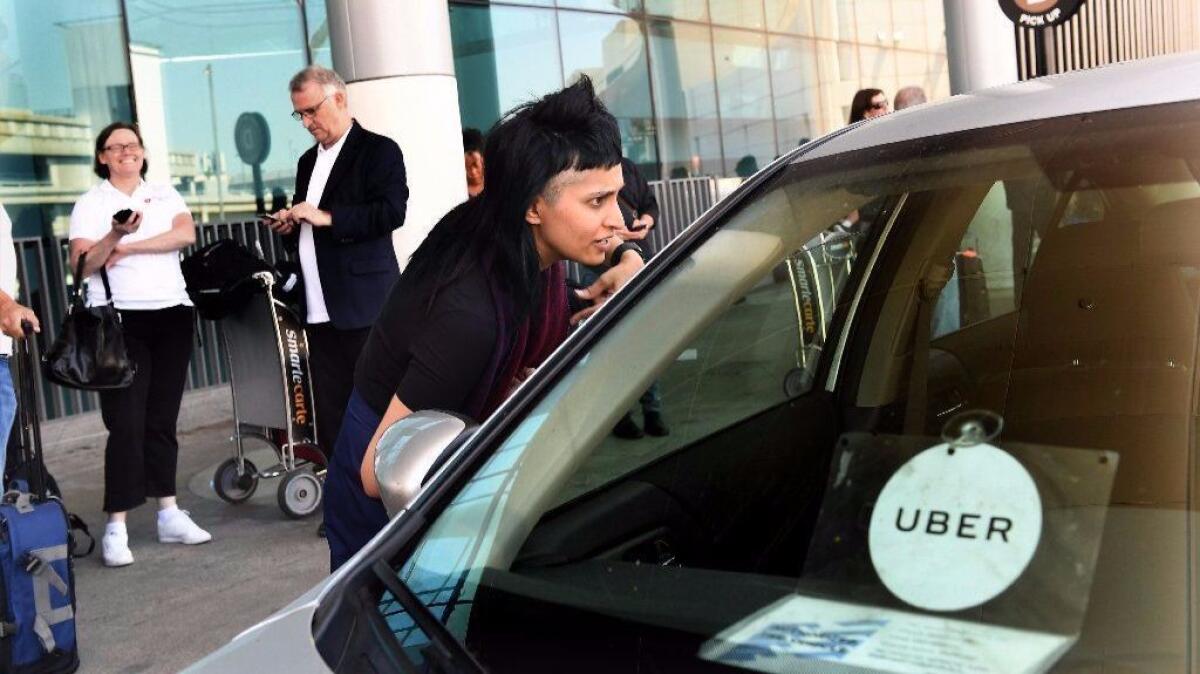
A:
{"x": 178, "y": 527}
{"x": 116, "y": 549}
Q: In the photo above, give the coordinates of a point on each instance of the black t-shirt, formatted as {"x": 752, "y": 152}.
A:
{"x": 430, "y": 357}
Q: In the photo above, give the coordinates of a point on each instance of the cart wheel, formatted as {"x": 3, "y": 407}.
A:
{"x": 234, "y": 488}
{"x": 299, "y": 494}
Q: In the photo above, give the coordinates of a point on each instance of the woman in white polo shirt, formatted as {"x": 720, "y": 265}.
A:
{"x": 141, "y": 257}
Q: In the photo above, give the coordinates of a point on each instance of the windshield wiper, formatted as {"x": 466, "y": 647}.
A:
{"x": 444, "y": 652}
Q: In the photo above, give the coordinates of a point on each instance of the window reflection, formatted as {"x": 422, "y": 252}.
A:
{"x": 318, "y": 32}
{"x": 63, "y": 79}
{"x": 704, "y": 98}
{"x": 685, "y": 100}
{"x": 694, "y": 10}
{"x": 790, "y": 16}
{"x": 834, "y": 19}
{"x": 603, "y": 5}
{"x": 794, "y": 79}
{"x": 909, "y": 23}
{"x": 612, "y": 51}
{"x": 199, "y": 65}
{"x": 877, "y": 68}
{"x": 741, "y": 14}
{"x": 502, "y": 56}
{"x": 744, "y": 91}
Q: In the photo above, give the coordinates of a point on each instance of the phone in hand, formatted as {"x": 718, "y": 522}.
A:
{"x": 122, "y": 216}
{"x": 636, "y": 226}
{"x": 268, "y": 218}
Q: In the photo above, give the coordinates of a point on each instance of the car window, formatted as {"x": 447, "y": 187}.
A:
{"x": 744, "y": 535}
{"x": 755, "y": 354}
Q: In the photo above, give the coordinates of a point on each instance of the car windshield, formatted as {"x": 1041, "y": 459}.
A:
{"x": 929, "y": 407}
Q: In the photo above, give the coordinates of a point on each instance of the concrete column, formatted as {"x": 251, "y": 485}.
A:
{"x": 980, "y": 45}
{"x": 399, "y": 70}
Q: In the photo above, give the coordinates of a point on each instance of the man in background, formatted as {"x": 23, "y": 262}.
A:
{"x": 908, "y": 97}
{"x": 12, "y": 315}
{"x": 351, "y": 193}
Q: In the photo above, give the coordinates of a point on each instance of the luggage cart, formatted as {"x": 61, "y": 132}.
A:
{"x": 267, "y": 354}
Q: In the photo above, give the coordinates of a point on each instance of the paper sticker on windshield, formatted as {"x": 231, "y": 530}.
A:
{"x": 955, "y": 526}
{"x": 799, "y": 635}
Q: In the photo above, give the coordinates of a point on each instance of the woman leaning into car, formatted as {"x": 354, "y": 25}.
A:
{"x": 484, "y": 298}
{"x": 140, "y": 253}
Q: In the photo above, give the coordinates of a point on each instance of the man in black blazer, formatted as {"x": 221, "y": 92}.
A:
{"x": 351, "y": 193}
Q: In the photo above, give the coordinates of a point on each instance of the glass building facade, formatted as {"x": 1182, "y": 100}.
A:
{"x": 700, "y": 87}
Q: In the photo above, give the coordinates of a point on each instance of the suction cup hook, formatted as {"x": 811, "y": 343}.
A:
{"x": 972, "y": 427}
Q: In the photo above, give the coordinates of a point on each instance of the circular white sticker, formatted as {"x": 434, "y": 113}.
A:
{"x": 955, "y": 526}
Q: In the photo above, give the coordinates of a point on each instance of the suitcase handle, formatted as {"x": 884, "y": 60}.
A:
{"x": 30, "y": 417}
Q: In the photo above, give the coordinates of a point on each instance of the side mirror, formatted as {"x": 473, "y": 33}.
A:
{"x": 410, "y": 449}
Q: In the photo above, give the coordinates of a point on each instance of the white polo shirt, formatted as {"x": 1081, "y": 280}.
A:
{"x": 144, "y": 281}
{"x": 8, "y": 271}
{"x": 315, "y": 296}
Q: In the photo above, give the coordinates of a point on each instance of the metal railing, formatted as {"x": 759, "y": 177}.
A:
{"x": 45, "y": 279}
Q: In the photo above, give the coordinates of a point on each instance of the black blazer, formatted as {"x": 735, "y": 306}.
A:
{"x": 367, "y": 194}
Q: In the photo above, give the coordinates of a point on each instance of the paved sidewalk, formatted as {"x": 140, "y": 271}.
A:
{"x": 177, "y": 603}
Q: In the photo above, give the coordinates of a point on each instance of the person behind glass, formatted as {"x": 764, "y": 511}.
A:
{"x": 868, "y": 104}
{"x": 473, "y": 160}
{"x": 908, "y": 97}
{"x": 484, "y": 298}
{"x": 141, "y": 256}
{"x": 12, "y": 315}
{"x": 351, "y": 192}
{"x": 639, "y": 209}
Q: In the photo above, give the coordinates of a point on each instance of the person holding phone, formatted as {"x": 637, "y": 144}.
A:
{"x": 134, "y": 231}
{"x": 351, "y": 194}
{"x": 639, "y": 208}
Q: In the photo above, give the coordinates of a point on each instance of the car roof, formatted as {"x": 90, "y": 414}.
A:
{"x": 1164, "y": 79}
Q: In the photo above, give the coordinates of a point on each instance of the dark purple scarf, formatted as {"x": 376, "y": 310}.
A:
{"x": 523, "y": 345}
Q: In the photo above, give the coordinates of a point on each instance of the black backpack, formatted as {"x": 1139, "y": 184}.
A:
{"x": 220, "y": 277}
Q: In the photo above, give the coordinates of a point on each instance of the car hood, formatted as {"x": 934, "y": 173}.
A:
{"x": 281, "y": 643}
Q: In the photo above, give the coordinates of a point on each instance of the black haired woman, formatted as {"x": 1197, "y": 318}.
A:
{"x": 141, "y": 255}
{"x": 868, "y": 104}
{"x": 484, "y": 298}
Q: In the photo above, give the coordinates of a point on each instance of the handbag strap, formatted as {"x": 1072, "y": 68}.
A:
{"x": 77, "y": 292}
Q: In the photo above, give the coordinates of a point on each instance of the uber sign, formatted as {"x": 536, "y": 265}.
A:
{"x": 955, "y": 526}
{"x": 1039, "y": 13}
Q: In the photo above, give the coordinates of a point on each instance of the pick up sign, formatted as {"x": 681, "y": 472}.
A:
{"x": 988, "y": 533}
{"x": 955, "y": 526}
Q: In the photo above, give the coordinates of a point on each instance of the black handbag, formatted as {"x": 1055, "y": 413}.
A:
{"x": 89, "y": 353}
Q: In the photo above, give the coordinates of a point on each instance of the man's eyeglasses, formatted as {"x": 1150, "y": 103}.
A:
{"x": 121, "y": 147}
{"x": 308, "y": 113}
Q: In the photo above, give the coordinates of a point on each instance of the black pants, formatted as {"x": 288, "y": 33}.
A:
{"x": 142, "y": 452}
{"x": 332, "y": 356}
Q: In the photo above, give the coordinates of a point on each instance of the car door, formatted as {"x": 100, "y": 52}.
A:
{"x": 992, "y": 277}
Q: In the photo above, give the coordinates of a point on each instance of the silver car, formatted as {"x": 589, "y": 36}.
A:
{"x": 975, "y": 453}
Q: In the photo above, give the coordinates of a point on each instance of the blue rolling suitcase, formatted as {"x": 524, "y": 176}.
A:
{"x": 37, "y": 579}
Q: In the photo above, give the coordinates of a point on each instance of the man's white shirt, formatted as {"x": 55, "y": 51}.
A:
{"x": 317, "y": 312}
